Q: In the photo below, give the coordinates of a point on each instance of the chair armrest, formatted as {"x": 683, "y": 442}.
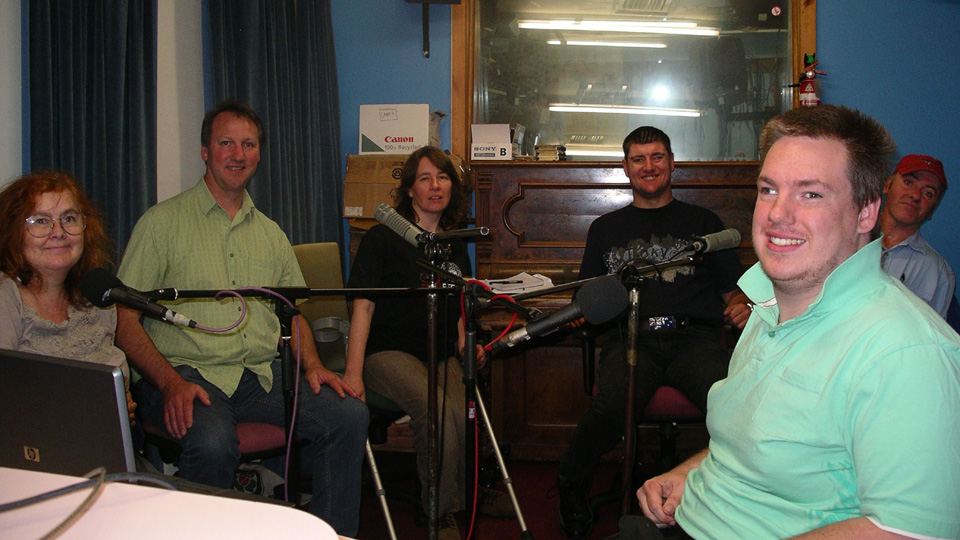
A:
{"x": 327, "y": 329}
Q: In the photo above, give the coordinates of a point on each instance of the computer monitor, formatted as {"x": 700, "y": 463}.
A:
{"x": 62, "y": 416}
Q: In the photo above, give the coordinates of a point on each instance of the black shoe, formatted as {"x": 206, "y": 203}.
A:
{"x": 576, "y": 517}
{"x": 448, "y": 528}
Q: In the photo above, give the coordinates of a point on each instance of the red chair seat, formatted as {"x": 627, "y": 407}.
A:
{"x": 254, "y": 437}
{"x": 669, "y": 405}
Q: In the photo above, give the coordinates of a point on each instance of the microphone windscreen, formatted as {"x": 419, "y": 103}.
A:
{"x": 725, "y": 239}
{"x": 602, "y": 299}
{"x": 397, "y": 223}
{"x": 95, "y": 283}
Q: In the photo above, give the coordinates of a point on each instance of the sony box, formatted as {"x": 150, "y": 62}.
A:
{"x": 491, "y": 141}
{"x": 398, "y": 129}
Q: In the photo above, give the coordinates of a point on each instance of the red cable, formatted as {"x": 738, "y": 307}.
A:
{"x": 513, "y": 319}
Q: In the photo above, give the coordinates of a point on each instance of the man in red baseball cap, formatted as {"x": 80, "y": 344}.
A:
{"x": 913, "y": 192}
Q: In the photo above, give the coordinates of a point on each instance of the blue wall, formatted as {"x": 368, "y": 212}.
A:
{"x": 380, "y": 60}
{"x": 900, "y": 63}
{"x": 897, "y": 61}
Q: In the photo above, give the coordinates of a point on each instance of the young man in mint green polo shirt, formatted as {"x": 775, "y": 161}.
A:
{"x": 199, "y": 385}
{"x": 839, "y": 415}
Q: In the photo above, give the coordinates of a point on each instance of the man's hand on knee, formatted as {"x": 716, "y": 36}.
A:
{"x": 659, "y": 497}
{"x": 319, "y": 376}
{"x": 178, "y": 399}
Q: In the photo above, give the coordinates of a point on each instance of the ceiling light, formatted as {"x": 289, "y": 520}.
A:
{"x": 683, "y": 28}
{"x": 660, "y": 92}
{"x": 609, "y": 44}
{"x": 624, "y": 109}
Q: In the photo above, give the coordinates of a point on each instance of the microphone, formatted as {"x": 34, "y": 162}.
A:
{"x": 103, "y": 289}
{"x": 598, "y": 301}
{"x": 398, "y": 224}
{"x": 707, "y": 243}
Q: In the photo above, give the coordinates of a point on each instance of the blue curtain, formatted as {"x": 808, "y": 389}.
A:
{"x": 93, "y": 89}
{"x": 278, "y": 56}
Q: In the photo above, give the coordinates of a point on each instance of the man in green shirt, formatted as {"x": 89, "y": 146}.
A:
{"x": 198, "y": 384}
{"x": 838, "y": 417}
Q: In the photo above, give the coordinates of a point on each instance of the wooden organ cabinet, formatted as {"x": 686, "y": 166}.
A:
{"x": 538, "y": 214}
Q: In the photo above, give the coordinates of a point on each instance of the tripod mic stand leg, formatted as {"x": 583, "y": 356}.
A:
{"x": 381, "y": 494}
{"x": 524, "y": 533}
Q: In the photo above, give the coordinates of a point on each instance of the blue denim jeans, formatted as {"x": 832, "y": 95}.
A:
{"x": 335, "y": 427}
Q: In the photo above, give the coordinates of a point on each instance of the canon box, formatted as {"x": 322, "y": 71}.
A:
{"x": 398, "y": 129}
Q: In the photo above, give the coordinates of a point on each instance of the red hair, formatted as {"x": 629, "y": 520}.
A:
{"x": 18, "y": 201}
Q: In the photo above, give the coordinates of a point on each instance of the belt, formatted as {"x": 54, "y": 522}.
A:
{"x": 670, "y": 322}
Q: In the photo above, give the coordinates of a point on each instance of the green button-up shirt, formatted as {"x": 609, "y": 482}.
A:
{"x": 190, "y": 243}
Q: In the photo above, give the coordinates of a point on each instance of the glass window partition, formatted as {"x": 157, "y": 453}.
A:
{"x": 584, "y": 73}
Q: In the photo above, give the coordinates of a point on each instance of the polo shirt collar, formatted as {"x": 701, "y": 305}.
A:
{"x": 847, "y": 281}
{"x": 916, "y": 242}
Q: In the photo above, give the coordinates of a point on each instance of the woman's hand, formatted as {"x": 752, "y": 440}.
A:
{"x": 355, "y": 381}
{"x": 131, "y": 407}
{"x": 481, "y": 356}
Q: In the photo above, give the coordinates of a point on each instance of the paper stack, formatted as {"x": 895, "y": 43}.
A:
{"x": 522, "y": 282}
{"x": 551, "y": 152}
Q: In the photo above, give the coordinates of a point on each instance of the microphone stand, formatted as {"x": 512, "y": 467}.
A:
{"x": 636, "y": 278}
{"x": 472, "y": 303}
{"x": 433, "y": 449}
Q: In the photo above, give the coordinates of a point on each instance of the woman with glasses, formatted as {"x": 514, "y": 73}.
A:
{"x": 50, "y": 235}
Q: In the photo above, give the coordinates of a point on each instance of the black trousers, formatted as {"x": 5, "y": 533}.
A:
{"x": 688, "y": 359}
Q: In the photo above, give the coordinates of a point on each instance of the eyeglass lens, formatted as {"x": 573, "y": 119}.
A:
{"x": 40, "y": 225}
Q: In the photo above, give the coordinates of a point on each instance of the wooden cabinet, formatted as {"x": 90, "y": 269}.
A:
{"x": 538, "y": 214}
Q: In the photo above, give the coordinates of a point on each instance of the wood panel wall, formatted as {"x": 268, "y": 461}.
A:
{"x": 538, "y": 214}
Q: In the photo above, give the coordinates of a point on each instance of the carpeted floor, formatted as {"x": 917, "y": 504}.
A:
{"x": 533, "y": 482}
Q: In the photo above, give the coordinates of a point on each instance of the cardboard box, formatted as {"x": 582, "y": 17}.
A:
{"x": 490, "y": 141}
{"x": 398, "y": 129}
{"x": 370, "y": 181}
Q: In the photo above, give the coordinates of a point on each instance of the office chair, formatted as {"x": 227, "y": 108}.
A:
{"x": 329, "y": 318}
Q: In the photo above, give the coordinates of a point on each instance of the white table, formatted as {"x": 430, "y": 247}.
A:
{"x": 130, "y": 511}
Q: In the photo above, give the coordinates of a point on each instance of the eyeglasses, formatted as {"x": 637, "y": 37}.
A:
{"x": 41, "y": 225}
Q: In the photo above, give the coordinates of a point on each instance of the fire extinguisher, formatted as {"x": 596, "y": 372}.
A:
{"x": 810, "y": 90}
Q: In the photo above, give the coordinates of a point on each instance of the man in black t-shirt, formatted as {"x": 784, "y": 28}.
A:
{"x": 696, "y": 300}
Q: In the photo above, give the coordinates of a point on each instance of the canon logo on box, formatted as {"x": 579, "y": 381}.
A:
{"x": 399, "y": 128}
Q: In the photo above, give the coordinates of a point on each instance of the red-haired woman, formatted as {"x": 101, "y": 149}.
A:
{"x": 50, "y": 235}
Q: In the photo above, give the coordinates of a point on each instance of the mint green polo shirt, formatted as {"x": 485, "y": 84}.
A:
{"x": 850, "y": 409}
{"x": 190, "y": 243}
